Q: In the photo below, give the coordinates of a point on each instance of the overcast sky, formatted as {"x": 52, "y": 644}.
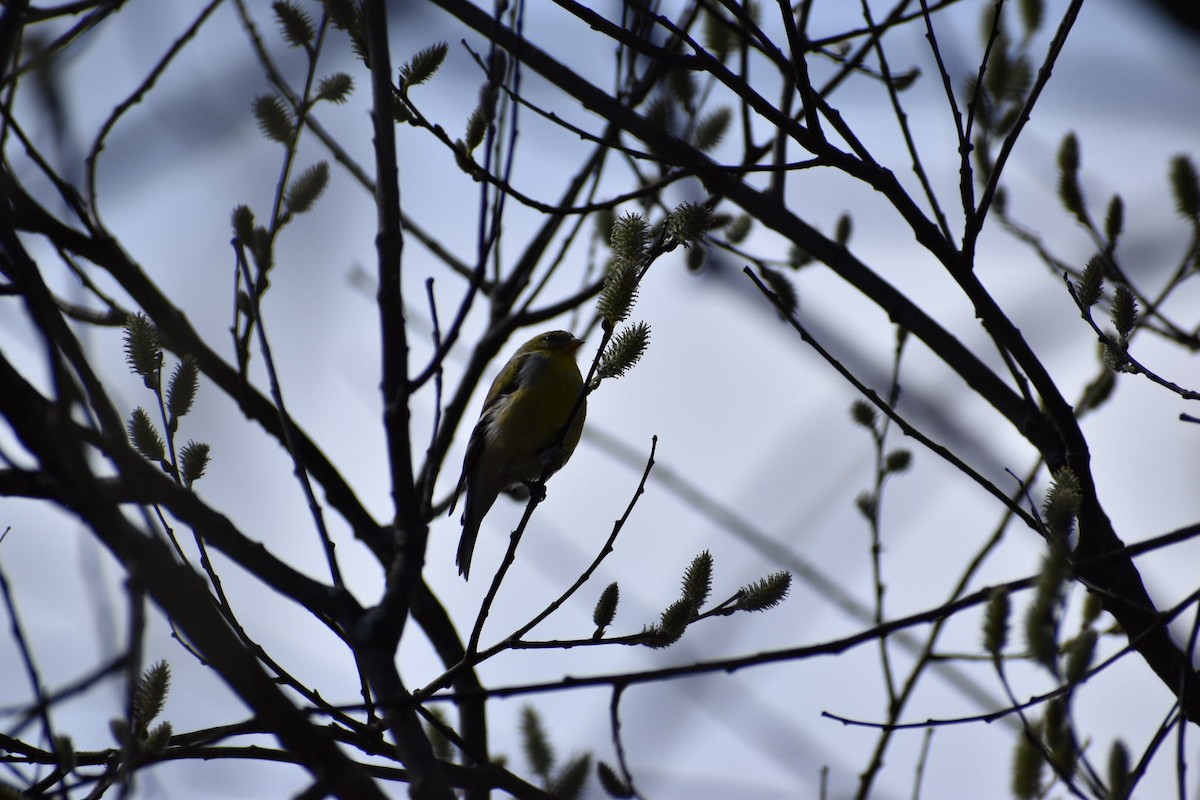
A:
{"x": 785, "y": 457}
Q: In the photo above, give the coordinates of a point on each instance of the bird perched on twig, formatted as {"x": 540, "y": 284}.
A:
{"x": 525, "y": 431}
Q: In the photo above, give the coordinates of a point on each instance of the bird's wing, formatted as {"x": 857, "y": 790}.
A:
{"x": 507, "y": 382}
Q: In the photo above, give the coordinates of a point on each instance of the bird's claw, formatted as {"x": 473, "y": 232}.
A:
{"x": 537, "y": 490}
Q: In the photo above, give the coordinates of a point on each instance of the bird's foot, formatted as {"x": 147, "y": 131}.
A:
{"x": 537, "y": 490}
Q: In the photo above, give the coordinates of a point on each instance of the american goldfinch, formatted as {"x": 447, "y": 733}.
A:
{"x": 520, "y": 430}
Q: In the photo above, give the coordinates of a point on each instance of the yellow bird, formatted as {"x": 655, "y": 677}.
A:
{"x": 520, "y": 430}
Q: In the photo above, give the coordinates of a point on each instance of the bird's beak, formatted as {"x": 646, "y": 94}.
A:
{"x": 574, "y": 345}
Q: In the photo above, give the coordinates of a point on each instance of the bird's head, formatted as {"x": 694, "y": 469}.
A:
{"x": 553, "y": 342}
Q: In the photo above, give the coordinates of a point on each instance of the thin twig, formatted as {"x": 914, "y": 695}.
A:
{"x": 614, "y": 721}
{"x": 286, "y": 424}
{"x": 1133, "y": 364}
{"x": 879, "y": 403}
{"x": 32, "y": 673}
{"x": 137, "y": 96}
{"x": 730, "y": 665}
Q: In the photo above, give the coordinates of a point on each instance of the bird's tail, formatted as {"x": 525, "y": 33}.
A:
{"x": 466, "y": 545}
{"x": 462, "y": 482}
